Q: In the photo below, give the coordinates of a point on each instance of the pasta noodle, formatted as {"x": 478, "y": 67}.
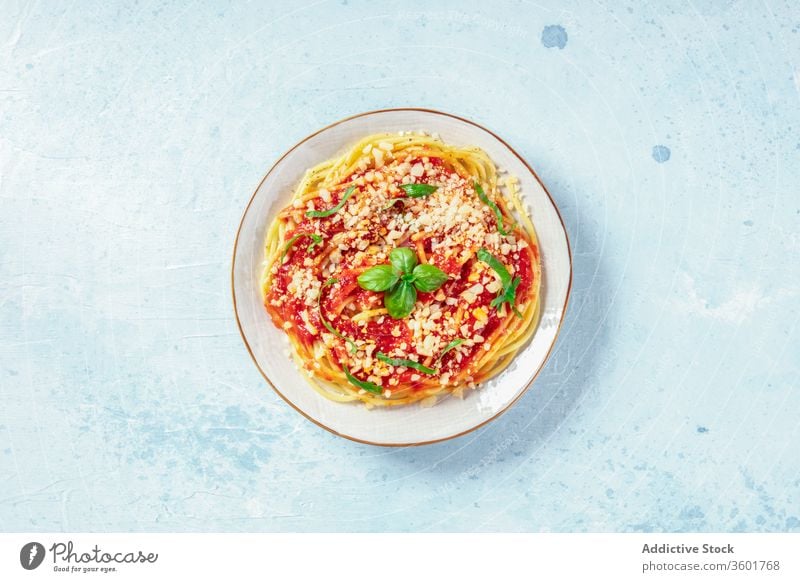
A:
{"x": 403, "y": 270}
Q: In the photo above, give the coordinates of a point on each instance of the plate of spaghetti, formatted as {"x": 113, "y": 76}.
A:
{"x": 400, "y": 277}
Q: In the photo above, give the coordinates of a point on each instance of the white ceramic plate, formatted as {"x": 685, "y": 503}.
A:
{"x": 410, "y": 425}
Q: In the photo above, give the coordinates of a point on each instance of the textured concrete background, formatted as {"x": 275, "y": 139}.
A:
{"x": 131, "y": 139}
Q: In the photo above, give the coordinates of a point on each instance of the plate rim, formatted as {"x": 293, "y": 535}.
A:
{"x": 514, "y": 400}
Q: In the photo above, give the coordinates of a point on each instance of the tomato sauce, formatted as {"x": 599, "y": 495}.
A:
{"x": 340, "y": 302}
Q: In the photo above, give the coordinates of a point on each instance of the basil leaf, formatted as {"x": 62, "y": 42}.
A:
{"x": 403, "y": 259}
{"x": 351, "y": 344}
{"x": 314, "y": 237}
{"x": 407, "y": 363}
{"x": 418, "y": 190}
{"x": 497, "y": 214}
{"x": 400, "y": 301}
{"x": 453, "y": 344}
{"x": 508, "y": 295}
{"x": 509, "y": 291}
{"x": 379, "y": 278}
{"x": 494, "y": 263}
{"x": 368, "y": 386}
{"x": 428, "y": 278}
{"x": 335, "y": 209}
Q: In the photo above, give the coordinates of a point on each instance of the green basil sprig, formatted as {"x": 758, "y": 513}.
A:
{"x": 453, "y": 344}
{"x": 497, "y": 214}
{"x": 428, "y": 278}
{"x": 399, "y": 302}
{"x": 335, "y": 209}
{"x": 401, "y": 280}
{"x": 378, "y": 278}
{"x": 418, "y": 190}
{"x": 351, "y": 344}
{"x": 368, "y": 386}
{"x": 407, "y": 363}
{"x": 509, "y": 292}
{"x": 315, "y": 240}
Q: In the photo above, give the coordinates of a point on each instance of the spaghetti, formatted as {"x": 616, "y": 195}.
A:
{"x": 404, "y": 270}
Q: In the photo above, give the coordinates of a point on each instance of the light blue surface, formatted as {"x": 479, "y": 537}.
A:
{"x": 132, "y": 138}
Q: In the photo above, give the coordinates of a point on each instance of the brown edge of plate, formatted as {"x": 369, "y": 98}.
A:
{"x": 549, "y": 351}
